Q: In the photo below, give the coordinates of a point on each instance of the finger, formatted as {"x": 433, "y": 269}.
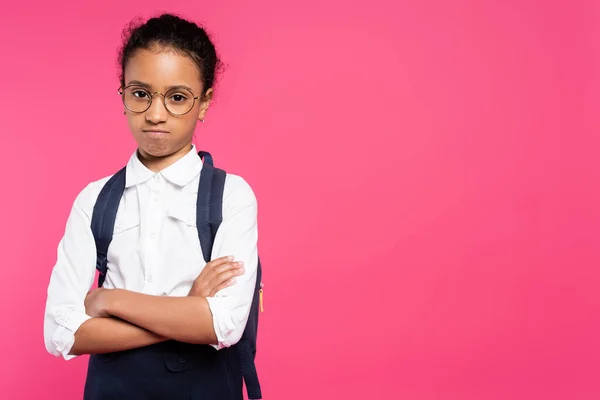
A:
{"x": 220, "y": 279}
{"x": 216, "y": 290}
{"x": 224, "y": 285}
{"x": 210, "y": 267}
{"x": 225, "y": 276}
{"x": 211, "y": 273}
{"x": 228, "y": 266}
{"x": 219, "y": 261}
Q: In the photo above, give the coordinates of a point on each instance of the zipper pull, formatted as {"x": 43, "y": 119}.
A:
{"x": 260, "y": 297}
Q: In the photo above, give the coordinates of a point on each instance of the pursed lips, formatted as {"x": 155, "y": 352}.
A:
{"x": 155, "y": 132}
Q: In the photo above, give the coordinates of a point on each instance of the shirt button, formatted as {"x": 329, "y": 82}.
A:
{"x": 152, "y": 235}
{"x": 156, "y": 177}
{"x": 149, "y": 278}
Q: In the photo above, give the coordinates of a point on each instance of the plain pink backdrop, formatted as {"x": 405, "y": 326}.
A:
{"x": 427, "y": 175}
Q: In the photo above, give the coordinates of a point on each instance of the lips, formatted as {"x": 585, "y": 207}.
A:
{"x": 155, "y": 133}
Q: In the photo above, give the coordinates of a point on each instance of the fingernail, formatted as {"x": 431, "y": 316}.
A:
{"x": 230, "y": 258}
{"x": 240, "y": 264}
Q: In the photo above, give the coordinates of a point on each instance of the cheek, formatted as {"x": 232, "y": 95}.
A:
{"x": 187, "y": 124}
{"x": 135, "y": 124}
{"x": 135, "y": 121}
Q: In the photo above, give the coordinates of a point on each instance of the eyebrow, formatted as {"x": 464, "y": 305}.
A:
{"x": 148, "y": 86}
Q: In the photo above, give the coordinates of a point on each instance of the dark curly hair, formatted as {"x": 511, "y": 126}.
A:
{"x": 175, "y": 33}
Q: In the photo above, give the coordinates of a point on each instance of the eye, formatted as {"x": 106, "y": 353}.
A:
{"x": 140, "y": 94}
{"x": 178, "y": 97}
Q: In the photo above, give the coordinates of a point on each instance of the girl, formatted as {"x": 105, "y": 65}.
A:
{"x": 159, "y": 300}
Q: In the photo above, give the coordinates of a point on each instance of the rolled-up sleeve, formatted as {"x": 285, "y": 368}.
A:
{"x": 71, "y": 278}
{"x": 238, "y": 237}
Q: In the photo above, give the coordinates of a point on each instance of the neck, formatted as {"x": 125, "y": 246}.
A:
{"x": 157, "y": 164}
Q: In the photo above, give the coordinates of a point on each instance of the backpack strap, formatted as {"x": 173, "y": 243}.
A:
{"x": 246, "y": 347}
{"x": 103, "y": 220}
{"x": 206, "y": 157}
{"x": 209, "y": 215}
{"x": 209, "y": 204}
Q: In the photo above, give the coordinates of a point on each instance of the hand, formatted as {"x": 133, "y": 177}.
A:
{"x": 96, "y": 303}
{"x": 216, "y": 275}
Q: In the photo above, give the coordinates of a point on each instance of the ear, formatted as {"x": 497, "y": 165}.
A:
{"x": 205, "y": 103}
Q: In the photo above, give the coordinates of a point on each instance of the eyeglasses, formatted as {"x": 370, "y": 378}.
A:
{"x": 178, "y": 100}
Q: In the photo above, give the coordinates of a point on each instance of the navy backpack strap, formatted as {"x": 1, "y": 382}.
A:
{"x": 209, "y": 205}
{"x": 203, "y": 210}
{"x": 246, "y": 347}
{"x": 206, "y": 157}
{"x": 209, "y": 215}
{"x": 103, "y": 220}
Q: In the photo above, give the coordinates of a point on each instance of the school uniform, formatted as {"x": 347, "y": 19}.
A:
{"x": 155, "y": 250}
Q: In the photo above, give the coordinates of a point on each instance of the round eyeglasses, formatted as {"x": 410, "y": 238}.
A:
{"x": 178, "y": 100}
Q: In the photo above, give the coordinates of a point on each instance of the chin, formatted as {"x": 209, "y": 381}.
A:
{"x": 162, "y": 148}
{"x": 156, "y": 150}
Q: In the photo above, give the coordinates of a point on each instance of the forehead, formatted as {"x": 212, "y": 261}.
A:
{"x": 162, "y": 69}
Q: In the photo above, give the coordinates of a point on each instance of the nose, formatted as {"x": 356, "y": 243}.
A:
{"x": 157, "y": 112}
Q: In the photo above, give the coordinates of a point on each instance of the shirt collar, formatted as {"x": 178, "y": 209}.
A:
{"x": 182, "y": 172}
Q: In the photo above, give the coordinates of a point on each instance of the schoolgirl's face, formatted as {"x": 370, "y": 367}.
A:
{"x": 163, "y": 101}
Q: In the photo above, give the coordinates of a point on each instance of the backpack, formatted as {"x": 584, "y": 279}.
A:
{"x": 208, "y": 218}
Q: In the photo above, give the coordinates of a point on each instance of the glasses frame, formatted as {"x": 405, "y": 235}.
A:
{"x": 122, "y": 89}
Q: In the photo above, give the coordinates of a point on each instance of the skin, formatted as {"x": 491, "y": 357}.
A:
{"x": 160, "y": 69}
{"x": 122, "y": 319}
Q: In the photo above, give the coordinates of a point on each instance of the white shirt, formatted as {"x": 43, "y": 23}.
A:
{"x": 155, "y": 249}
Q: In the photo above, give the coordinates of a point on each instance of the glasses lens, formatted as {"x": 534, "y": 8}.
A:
{"x": 136, "y": 99}
{"x": 179, "y": 101}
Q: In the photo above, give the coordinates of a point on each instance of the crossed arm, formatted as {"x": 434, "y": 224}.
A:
{"x": 109, "y": 320}
{"x": 123, "y": 320}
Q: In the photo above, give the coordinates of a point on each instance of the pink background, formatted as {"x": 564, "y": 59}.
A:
{"x": 427, "y": 175}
